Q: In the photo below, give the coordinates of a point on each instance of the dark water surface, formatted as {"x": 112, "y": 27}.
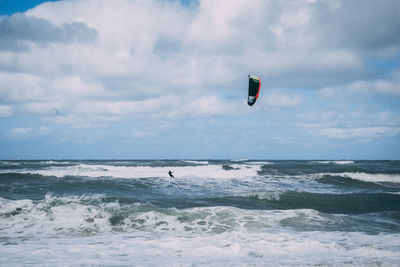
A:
{"x": 214, "y": 212}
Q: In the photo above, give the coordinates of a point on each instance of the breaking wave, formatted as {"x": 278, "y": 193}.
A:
{"x": 336, "y": 162}
{"x": 94, "y": 171}
{"x": 366, "y": 177}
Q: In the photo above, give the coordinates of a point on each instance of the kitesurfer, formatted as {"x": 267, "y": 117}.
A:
{"x": 170, "y": 174}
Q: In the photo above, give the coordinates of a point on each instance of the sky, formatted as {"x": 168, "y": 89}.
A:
{"x": 165, "y": 79}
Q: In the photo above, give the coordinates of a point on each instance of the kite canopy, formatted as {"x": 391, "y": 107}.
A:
{"x": 254, "y": 89}
{"x": 56, "y": 110}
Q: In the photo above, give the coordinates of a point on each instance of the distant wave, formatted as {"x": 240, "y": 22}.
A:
{"x": 259, "y": 162}
{"x": 262, "y": 195}
{"x": 10, "y": 163}
{"x": 366, "y": 177}
{"x": 97, "y": 170}
{"x": 323, "y": 202}
{"x": 205, "y": 162}
{"x": 335, "y": 162}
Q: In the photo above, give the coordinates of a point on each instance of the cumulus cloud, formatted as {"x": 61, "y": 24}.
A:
{"x": 101, "y": 62}
{"x": 279, "y": 99}
{"x": 169, "y": 107}
{"x": 6, "y": 111}
{"x": 163, "y": 44}
{"x": 365, "y": 24}
{"x": 23, "y": 87}
{"x": 356, "y": 124}
{"x": 19, "y": 86}
{"x": 384, "y": 87}
{"x": 19, "y": 30}
{"x": 20, "y": 132}
{"x": 210, "y": 106}
{"x": 42, "y": 108}
{"x": 158, "y": 46}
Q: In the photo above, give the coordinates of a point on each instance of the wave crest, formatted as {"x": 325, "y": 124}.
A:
{"x": 203, "y": 171}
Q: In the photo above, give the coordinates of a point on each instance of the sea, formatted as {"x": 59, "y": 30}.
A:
{"x": 213, "y": 213}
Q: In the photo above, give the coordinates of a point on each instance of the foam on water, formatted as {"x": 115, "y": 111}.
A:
{"x": 203, "y": 162}
{"x": 91, "y": 231}
{"x": 232, "y": 249}
{"x": 95, "y": 215}
{"x": 89, "y": 170}
{"x": 65, "y": 216}
{"x": 259, "y": 163}
{"x": 87, "y": 215}
{"x": 335, "y": 162}
{"x": 10, "y": 163}
{"x": 51, "y": 217}
{"x": 214, "y": 213}
{"x": 273, "y": 195}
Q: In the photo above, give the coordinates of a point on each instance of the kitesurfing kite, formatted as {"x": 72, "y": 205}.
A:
{"x": 56, "y": 110}
{"x": 254, "y": 89}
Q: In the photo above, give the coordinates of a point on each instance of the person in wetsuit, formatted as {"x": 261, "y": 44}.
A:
{"x": 170, "y": 174}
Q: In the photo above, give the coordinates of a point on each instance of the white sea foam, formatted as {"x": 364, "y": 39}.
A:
{"x": 335, "y": 162}
{"x": 205, "y": 236}
{"x": 71, "y": 216}
{"x": 52, "y": 217}
{"x": 259, "y": 163}
{"x": 274, "y": 195}
{"x": 206, "y": 171}
{"x": 87, "y": 215}
{"x": 203, "y": 162}
{"x": 227, "y": 249}
{"x": 52, "y": 162}
{"x": 10, "y": 163}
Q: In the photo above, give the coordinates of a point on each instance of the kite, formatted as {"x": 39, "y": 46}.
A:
{"x": 254, "y": 89}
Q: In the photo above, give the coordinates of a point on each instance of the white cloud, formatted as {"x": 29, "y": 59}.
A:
{"x": 169, "y": 106}
{"x": 168, "y": 47}
{"x": 20, "y": 132}
{"x": 346, "y": 125}
{"x": 19, "y": 86}
{"x": 359, "y": 24}
{"x": 6, "y": 111}
{"x": 102, "y": 114}
{"x": 43, "y": 108}
{"x": 279, "y": 99}
{"x": 123, "y": 107}
{"x": 18, "y": 31}
{"x": 365, "y": 132}
{"x": 161, "y": 60}
{"x": 384, "y": 87}
{"x": 209, "y": 106}
{"x": 23, "y": 87}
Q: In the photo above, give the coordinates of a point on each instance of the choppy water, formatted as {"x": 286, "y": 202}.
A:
{"x": 234, "y": 212}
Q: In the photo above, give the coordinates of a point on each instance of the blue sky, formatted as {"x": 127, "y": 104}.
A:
{"x": 168, "y": 79}
{"x": 9, "y": 7}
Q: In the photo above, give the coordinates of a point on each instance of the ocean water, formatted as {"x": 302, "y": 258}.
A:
{"x": 214, "y": 213}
